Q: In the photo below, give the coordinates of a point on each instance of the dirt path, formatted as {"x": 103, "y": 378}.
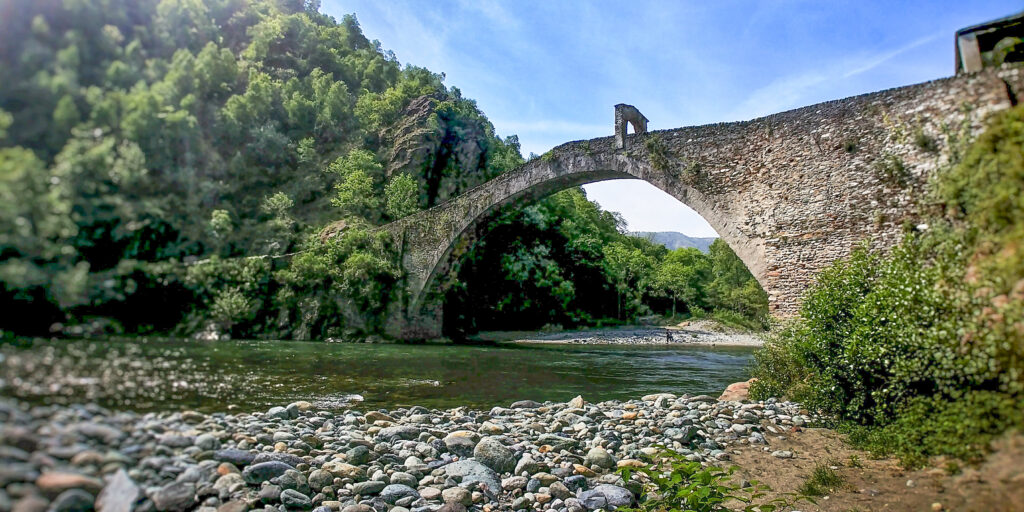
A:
{"x": 882, "y": 485}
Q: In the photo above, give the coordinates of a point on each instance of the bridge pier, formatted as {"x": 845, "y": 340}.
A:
{"x": 425, "y": 322}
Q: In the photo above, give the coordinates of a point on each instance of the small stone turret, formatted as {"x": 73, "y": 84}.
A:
{"x": 627, "y": 114}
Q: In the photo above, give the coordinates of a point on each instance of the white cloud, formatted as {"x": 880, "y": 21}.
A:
{"x": 877, "y": 60}
{"x": 798, "y": 89}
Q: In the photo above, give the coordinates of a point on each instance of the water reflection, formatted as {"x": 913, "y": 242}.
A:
{"x": 150, "y": 375}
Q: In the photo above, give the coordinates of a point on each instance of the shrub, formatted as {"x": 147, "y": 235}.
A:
{"x": 918, "y": 352}
{"x": 230, "y": 306}
{"x": 657, "y": 153}
{"x": 891, "y": 170}
{"x": 339, "y": 286}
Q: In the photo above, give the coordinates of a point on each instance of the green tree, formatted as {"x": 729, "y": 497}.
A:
{"x": 354, "y": 192}
{"x": 401, "y": 196}
{"x": 684, "y": 275}
{"x": 631, "y": 270}
{"x": 733, "y": 287}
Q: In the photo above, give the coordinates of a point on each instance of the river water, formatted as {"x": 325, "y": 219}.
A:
{"x": 246, "y": 376}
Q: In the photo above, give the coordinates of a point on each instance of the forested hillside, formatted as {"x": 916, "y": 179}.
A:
{"x": 171, "y": 166}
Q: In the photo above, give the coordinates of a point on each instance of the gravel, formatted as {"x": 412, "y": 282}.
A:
{"x": 528, "y": 456}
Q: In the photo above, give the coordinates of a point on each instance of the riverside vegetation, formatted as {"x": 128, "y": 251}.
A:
{"x": 170, "y": 166}
{"x": 920, "y": 352}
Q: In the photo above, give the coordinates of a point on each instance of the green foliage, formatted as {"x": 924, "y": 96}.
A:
{"x": 936, "y": 425}
{"x": 684, "y": 274}
{"x": 631, "y": 270}
{"x": 136, "y": 132}
{"x": 339, "y": 286}
{"x": 924, "y": 141}
{"x": 228, "y": 292}
{"x": 354, "y": 191}
{"x": 657, "y": 153}
{"x": 400, "y": 196}
{"x": 890, "y": 169}
{"x": 918, "y": 352}
{"x": 987, "y": 192}
{"x": 230, "y": 306}
{"x": 220, "y": 223}
{"x": 823, "y": 480}
{"x": 680, "y": 485}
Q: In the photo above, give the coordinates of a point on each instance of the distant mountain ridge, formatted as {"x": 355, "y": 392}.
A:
{"x": 674, "y": 240}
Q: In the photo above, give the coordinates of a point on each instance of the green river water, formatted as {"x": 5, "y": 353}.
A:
{"x": 246, "y": 376}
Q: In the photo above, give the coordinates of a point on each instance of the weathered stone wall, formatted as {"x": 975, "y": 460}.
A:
{"x": 790, "y": 193}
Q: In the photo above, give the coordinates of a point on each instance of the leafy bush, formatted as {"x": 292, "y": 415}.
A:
{"x": 340, "y": 286}
{"x": 919, "y": 352}
{"x": 231, "y": 306}
{"x": 229, "y": 292}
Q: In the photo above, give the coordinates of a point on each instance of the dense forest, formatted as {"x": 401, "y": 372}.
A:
{"x": 219, "y": 166}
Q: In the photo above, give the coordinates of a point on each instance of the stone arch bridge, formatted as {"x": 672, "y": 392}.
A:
{"x": 790, "y": 192}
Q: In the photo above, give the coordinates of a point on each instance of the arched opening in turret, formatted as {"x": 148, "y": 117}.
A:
{"x": 610, "y": 252}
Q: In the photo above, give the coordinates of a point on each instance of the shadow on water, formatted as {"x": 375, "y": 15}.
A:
{"x": 155, "y": 375}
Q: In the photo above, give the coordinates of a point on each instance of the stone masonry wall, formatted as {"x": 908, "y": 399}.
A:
{"x": 790, "y": 193}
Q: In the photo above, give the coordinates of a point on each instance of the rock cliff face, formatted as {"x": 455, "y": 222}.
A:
{"x": 445, "y": 151}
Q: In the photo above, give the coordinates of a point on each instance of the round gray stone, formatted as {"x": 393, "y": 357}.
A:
{"x": 490, "y": 452}
{"x": 394, "y": 492}
{"x": 295, "y": 500}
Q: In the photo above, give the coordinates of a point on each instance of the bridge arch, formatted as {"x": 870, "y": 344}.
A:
{"x": 432, "y": 241}
{"x": 790, "y": 193}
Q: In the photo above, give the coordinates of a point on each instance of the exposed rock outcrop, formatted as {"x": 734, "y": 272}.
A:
{"x": 445, "y": 151}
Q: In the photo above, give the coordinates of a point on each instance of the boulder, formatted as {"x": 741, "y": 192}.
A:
{"x": 394, "y": 492}
{"x": 56, "y": 482}
{"x": 72, "y": 500}
{"x": 472, "y": 471}
{"x": 737, "y": 392}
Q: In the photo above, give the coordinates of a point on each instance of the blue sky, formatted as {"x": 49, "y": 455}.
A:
{"x": 550, "y": 71}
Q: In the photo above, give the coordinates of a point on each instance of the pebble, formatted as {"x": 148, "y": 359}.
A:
{"x": 530, "y": 456}
{"x": 72, "y": 500}
{"x": 175, "y": 497}
{"x": 119, "y": 495}
{"x": 457, "y": 495}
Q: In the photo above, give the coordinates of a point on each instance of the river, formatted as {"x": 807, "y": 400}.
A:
{"x": 244, "y": 376}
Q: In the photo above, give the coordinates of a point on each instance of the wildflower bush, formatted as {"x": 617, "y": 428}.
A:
{"x": 920, "y": 351}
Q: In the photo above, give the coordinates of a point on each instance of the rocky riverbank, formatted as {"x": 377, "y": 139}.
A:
{"x": 528, "y": 456}
{"x": 695, "y": 333}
